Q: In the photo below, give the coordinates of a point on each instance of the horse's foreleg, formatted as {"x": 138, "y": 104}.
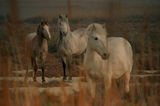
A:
{"x": 43, "y": 67}
{"x": 69, "y": 66}
{"x": 35, "y": 68}
{"x": 108, "y": 82}
{"x": 64, "y": 69}
{"x": 92, "y": 87}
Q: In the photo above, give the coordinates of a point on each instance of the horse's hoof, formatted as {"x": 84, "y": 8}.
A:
{"x": 43, "y": 82}
{"x": 35, "y": 80}
{"x": 25, "y": 80}
{"x": 65, "y": 79}
{"x": 70, "y": 78}
{"x": 127, "y": 97}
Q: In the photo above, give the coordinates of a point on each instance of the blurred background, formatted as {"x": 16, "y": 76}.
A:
{"x": 136, "y": 20}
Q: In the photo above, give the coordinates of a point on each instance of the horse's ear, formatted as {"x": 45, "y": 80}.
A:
{"x": 42, "y": 23}
{"x": 104, "y": 25}
{"x": 38, "y": 29}
{"x": 92, "y": 28}
{"x": 60, "y": 16}
{"x": 66, "y": 16}
{"x": 46, "y": 22}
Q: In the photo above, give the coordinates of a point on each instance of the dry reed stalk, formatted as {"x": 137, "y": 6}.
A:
{"x": 143, "y": 46}
{"x": 5, "y": 69}
{"x": 16, "y": 31}
{"x": 65, "y": 97}
{"x": 69, "y": 9}
{"x": 150, "y": 54}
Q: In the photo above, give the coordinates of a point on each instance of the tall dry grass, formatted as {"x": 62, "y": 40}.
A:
{"x": 145, "y": 91}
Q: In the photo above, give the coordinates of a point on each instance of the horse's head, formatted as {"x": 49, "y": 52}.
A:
{"x": 43, "y": 30}
{"x": 97, "y": 39}
{"x": 63, "y": 24}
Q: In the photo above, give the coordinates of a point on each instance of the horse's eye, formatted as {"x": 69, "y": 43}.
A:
{"x": 95, "y": 38}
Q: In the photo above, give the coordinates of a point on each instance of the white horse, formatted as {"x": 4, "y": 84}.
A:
{"x": 107, "y": 58}
{"x": 36, "y": 46}
{"x": 70, "y": 43}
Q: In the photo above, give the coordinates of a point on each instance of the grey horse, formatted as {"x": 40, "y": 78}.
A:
{"x": 70, "y": 43}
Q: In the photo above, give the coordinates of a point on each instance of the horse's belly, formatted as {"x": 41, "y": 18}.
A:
{"x": 117, "y": 74}
{"x": 118, "y": 70}
{"x": 120, "y": 56}
{"x": 95, "y": 75}
{"x": 96, "y": 71}
{"x": 79, "y": 45}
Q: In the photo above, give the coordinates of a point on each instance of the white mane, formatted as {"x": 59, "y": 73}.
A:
{"x": 98, "y": 28}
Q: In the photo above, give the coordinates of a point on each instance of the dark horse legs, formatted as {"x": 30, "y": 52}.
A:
{"x": 35, "y": 68}
{"x": 42, "y": 57}
{"x": 64, "y": 69}
{"x": 43, "y": 78}
{"x": 67, "y": 65}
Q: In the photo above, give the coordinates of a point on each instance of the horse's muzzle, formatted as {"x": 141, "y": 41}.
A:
{"x": 64, "y": 33}
{"x": 105, "y": 56}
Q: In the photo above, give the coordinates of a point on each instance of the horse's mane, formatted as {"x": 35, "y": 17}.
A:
{"x": 59, "y": 39}
{"x": 38, "y": 29}
{"x": 97, "y": 28}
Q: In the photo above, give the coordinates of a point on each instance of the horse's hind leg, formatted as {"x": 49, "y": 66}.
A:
{"x": 26, "y": 75}
{"x": 35, "y": 68}
{"x": 126, "y": 80}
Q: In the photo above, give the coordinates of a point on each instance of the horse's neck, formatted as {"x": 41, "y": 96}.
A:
{"x": 40, "y": 41}
{"x": 63, "y": 38}
{"x": 92, "y": 56}
{"x": 92, "y": 61}
{"x": 68, "y": 31}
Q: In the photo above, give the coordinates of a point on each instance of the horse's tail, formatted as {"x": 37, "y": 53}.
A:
{"x": 129, "y": 53}
{"x": 28, "y": 47}
{"x": 27, "y": 54}
{"x": 27, "y": 50}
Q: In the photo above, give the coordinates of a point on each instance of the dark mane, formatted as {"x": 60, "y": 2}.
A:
{"x": 38, "y": 28}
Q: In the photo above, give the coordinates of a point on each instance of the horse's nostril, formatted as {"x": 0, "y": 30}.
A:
{"x": 104, "y": 54}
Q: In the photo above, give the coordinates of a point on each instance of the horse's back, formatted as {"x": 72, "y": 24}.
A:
{"x": 79, "y": 40}
{"x": 28, "y": 45}
{"x": 79, "y": 32}
{"x": 31, "y": 36}
{"x": 121, "y": 55}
